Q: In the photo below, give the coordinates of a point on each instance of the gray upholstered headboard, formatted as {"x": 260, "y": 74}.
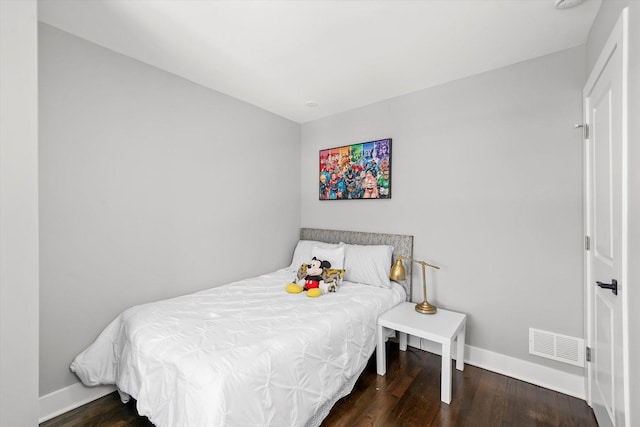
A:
{"x": 402, "y": 244}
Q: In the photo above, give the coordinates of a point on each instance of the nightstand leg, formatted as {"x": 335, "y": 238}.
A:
{"x": 402, "y": 337}
{"x": 445, "y": 388}
{"x": 381, "y": 356}
{"x": 460, "y": 348}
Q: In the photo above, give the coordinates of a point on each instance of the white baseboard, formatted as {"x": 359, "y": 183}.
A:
{"x": 76, "y": 395}
{"x": 543, "y": 376}
{"x": 69, "y": 398}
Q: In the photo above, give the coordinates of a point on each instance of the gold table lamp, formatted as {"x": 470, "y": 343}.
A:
{"x": 398, "y": 273}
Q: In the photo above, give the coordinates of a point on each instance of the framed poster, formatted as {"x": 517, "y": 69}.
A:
{"x": 358, "y": 171}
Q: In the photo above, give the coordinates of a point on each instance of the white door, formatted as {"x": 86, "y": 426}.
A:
{"x": 605, "y": 222}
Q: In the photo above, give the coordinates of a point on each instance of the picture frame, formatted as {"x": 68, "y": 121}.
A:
{"x": 356, "y": 171}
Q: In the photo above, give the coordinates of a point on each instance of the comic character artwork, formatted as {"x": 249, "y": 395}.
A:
{"x": 358, "y": 171}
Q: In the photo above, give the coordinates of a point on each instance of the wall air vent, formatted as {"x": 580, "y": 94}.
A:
{"x": 556, "y": 347}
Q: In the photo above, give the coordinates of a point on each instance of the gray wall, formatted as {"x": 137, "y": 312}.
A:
{"x": 487, "y": 175}
{"x": 150, "y": 187}
{"x": 18, "y": 214}
{"x": 603, "y": 24}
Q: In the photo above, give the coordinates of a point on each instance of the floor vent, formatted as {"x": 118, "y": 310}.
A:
{"x": 557, "y": 347}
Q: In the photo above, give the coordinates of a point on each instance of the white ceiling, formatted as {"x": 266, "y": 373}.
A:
{"x": 342, "y": 54}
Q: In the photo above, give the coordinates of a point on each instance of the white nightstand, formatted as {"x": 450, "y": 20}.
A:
{"x": 443, "y": 327}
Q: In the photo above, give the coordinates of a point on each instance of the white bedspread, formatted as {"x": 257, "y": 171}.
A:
{"x": 244, "y": 354}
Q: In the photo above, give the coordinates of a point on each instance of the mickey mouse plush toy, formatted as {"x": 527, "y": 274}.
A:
{"x": 310, "y": 278}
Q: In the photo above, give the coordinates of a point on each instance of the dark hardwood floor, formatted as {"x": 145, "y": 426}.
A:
{"x": 409, "y": 395}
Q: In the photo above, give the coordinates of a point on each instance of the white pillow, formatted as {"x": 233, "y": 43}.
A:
{"x": 334, "y": 255}
{"x": 368, "y": 264}
{"x": 302, "y": 253}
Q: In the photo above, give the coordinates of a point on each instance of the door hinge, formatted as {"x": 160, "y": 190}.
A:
{"x": 587, "y": 243}
{"x": 585, "y": 130}
{"x": 587, "y": 354}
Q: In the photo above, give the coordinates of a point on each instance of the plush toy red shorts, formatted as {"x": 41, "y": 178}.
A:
{"x": 311, "y": 284}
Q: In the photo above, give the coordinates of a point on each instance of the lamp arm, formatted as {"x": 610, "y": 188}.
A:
{"x": 423, "y": 263}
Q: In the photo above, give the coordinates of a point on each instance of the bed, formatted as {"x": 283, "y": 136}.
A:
{"x": 248, "y": 353}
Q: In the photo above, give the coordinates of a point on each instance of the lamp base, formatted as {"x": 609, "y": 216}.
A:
{"x": 425, "y": 308}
